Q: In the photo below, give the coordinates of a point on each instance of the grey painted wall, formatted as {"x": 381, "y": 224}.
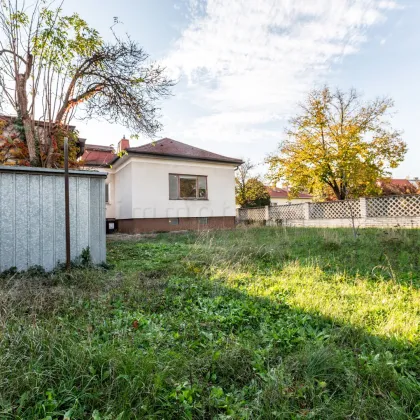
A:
{"x": 32, "y": 224}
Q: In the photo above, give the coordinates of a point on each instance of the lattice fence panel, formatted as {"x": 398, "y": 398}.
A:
{"x": 290, "y": 211}
{"x": 394, "y": 206}
{"x": 335, "y": 210}
{"x": 253, "y": 215}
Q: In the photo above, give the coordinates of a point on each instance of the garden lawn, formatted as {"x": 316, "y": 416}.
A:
{"x": 266, "y": 323}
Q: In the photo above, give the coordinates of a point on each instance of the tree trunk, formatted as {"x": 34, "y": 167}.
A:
{"x": 28, "y": 123}
{"x": 30, "y": 140}
{"x": 50, "y": 146}
{"x": 338, "y": 193}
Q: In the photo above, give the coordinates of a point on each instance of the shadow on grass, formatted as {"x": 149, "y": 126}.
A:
{"x": 178, "y": 345}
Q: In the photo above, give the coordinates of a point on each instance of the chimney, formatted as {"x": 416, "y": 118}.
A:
{"x": 123, "y": 144}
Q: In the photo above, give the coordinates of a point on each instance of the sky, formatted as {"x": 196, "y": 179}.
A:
{"x": 242, "y": 66}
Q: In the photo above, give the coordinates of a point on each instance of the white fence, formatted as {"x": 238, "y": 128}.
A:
{"x": 403, "y": 211}
{"x": 32, "y": 216}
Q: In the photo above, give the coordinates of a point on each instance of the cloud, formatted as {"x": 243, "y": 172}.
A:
{"x": 248, "y": 62}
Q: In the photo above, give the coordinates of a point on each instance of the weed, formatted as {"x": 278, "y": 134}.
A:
{"x": 255, "y": 323}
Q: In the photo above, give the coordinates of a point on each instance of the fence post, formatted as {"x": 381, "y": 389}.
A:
{"x": 267, "y": 213}
{"x": 363, "y": 207}
{"x": 306, "y": 211}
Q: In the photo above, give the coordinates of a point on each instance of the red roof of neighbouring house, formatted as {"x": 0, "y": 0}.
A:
{"x": 97, "y": 155}
{"x": 397, "y": 186}
{"x": 173, "y": 148}
{"x": 37, "y": 123}
{"x": 284, "y": 193}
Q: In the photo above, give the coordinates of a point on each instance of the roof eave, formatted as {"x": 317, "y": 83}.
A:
{"x": 172, "y": 155}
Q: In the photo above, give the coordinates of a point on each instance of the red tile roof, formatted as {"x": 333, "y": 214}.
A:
{"x": 173, "y": 148}
{"x": 284, "y": 193}
{"x": 97, "y": 155}
{"x": 396, "y": 186}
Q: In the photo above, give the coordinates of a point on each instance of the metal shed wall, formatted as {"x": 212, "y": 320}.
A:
{"x": 32, "y": 223}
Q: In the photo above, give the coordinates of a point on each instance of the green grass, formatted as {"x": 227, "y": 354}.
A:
{"x": 266, "y": 323}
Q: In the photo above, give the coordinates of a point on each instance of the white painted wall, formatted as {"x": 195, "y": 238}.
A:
{"x": 285, "y": 201}
{"x": 139, "y": 188}
{"x": 123, "y": 186}
{"x": 150, "y": 188}
{"x": 110, "y": 206}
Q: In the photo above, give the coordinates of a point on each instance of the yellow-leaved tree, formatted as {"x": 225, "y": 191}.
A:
{"x": 338, "y": 146}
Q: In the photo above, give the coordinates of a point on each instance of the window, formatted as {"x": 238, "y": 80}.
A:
{"x": 203, "y": 220}
{"x": 106, "y": 193}
{"x": 174, "y": 221}
{"x": 187, "y": 187}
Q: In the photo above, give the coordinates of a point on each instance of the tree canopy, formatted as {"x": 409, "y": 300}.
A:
{"x": 242, "y": 175}
{"x": 54, "y": 68}
{"x": 338, "y": 145}
{"x": 255, "y": 194}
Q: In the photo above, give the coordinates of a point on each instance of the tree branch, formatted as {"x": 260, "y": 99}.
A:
{"x": 4, "y": 50}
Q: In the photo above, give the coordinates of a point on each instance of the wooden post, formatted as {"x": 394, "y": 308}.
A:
{"x": 67, "y": 201}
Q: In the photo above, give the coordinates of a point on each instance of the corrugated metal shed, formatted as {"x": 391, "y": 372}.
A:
{"x": 32, "y": 226}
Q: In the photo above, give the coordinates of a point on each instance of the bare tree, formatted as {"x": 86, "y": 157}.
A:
{"x": 54, "y": 68}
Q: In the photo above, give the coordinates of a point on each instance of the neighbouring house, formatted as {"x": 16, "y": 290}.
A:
{"x": 13, "y": 150}
{"x": 166, "y": 185}
{"x": 281, "y": 196}
{"x": 398, "y": 186}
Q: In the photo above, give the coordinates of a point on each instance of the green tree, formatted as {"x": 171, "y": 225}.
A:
{"x": 242, "y": 175}
{"x": 54, "y": 67}
{"x": 255, "y": 194}
{"x": 338, "y": 146}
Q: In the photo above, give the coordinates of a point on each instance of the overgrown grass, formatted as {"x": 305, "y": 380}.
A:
{"x": 255, "y": 323}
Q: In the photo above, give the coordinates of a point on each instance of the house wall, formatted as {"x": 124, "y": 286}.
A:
{"x": 123, "y": 191}
{"x": 285, "y": 201}
{"x": 163, "y": 225}
{"x": 139, "y": 195}
{"x": 110, "y": 207}
{"x": 142, "y": 189}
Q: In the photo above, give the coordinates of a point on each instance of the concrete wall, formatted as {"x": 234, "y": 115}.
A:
{"x": 381, "y": 222}
{"x": 140, "y": 189}
{"x": 389, "y": 211}
{"x": 32, "y": 218}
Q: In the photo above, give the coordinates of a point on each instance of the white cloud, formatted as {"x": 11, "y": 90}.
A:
{"x": 248, "y": 62}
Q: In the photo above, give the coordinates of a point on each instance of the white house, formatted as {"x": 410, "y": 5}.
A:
{"x": 280, "y": 196}
{"x": 165, "y": 185}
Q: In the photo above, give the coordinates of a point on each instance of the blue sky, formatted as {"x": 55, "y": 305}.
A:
{"x": 243, "y": 65}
